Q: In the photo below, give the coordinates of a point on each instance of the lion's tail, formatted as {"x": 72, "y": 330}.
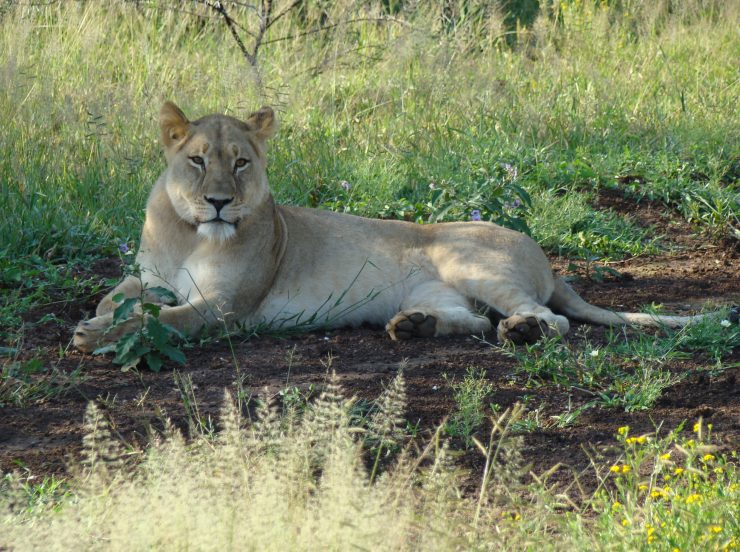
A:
{"x": 566, "y": 301}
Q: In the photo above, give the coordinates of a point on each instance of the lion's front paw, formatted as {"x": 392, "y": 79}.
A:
{"x": 412, "y": 324}
{"x": 521, "y": 329}
{"x": 93, "y": 333}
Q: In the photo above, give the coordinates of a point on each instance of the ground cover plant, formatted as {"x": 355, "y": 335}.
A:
{"x": 608, "y": 131}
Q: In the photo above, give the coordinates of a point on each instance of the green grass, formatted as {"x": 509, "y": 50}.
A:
{"x": 471, "y": 407}
{"x": 599, "y": 98}
{"x": 426, "y": 118}
{"x": 631, "y": 369}
{"x": 26, "y": 382}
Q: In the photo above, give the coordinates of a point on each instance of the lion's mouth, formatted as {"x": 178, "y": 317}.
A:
{"x": 219, "y": 220}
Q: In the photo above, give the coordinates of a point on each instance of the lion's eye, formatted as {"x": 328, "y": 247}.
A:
{"x": 241, "y": 162}
{"x": 197, "y": 160}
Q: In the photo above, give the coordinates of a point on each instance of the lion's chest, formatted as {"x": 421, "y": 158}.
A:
{"x": 190, "y": 279}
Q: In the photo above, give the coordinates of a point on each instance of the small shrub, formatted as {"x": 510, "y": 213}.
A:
{"x": 470, "y": 396}
{"x": 153, "y": 341}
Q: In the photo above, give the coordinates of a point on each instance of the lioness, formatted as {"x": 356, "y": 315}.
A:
{"x": 214, "y": 236}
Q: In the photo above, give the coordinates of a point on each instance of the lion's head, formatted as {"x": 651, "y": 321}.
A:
{"x": 216, "y": 167}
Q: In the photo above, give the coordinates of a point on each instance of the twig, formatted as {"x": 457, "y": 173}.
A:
{"x": 333, "y": 25}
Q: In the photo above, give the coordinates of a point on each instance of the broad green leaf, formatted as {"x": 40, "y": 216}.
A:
{"x": 173, "y": 354}
{"x": 154, "y": 361}
{"x": 124, "y": 310}
{"x": 164, "y": 294}
{"x": 157, "y": 333}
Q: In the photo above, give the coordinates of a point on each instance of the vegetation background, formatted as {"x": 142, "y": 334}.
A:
{"x": 426, "y": 111}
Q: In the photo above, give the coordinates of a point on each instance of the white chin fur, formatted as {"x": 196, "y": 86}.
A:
{"x": 217, "y": 231}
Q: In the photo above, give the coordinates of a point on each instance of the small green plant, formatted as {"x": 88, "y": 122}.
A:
{"x": 669, "y": 492}
{"x": 33, "y": 496}
{"x": 470, "y": 396}
{"x": 198, "y": 424}
{"x": 638, "y": 389}
{"x": 23, "y": 382}
{"x": 716, "y": 336}
{"x": 296, "y": 399}
{"x": 615, "y": 380}
{"x": 153, "y": 341}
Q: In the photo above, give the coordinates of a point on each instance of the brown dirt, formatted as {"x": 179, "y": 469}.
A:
{"x": 44, "y": 437}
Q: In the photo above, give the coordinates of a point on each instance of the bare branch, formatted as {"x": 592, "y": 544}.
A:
{"x": 219, "y": 8}
{"x": 334, "y": 25}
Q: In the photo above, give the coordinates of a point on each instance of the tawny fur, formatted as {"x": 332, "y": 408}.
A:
{"x": 286, "y": 266}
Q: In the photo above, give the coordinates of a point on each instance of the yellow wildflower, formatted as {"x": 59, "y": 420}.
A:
{"x": 693, "y": 498}
{"x": 623, "y": 430}
{"x": 707, "y": 458}
{"x": 666, "y": 477}
{"x": 625, "y": 468}
{"x": 665, "y": 457}
{"x": 690, "y": 443}
{"x": 625, "y": 522}
{"x": 642, "y": 487}
{"x": 697, "y": 427}
{"x": 678, "y": 471}
{"x": 639, "y": 440}
{"x": 715, "y": 528}
{"x": 617, "y": 505}
{"x": 614, "y": 469}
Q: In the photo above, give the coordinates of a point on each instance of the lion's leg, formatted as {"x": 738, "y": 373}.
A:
{"x": 130, "y": 287}
{"x": 433, "y": 309}
{"x": 525, "y": 318}
{"x": 188, "y": 319}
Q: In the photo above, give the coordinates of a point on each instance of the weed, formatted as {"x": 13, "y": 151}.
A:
{"x": 285, "y": 485}
{"x": 24, "y": 382}
{"x": 31, "y": 495}
{"x": 470, "y": 396}
{"x": 671, "y": 491}
{"x": 614, "y": 380}
{"x": 153, "y": 341}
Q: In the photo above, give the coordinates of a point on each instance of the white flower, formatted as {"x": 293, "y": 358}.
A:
{"x": 725, "y": 323}
{"x": 595, "y": 353}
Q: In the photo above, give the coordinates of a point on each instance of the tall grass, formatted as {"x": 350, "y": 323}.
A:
{"x": 301, "y": 482}
{"x": 586, "y": 94}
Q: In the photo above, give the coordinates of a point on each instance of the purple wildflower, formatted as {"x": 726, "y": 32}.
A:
{"x": 475, "y": 215}
{"x": 123, "y": 248}
{"x": 345, "y": 185}
{"x": 511, "y": 171}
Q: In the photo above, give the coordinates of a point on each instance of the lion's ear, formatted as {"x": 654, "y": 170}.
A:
{"x": 173, "y": 124}
{"x": 263, "y": 123}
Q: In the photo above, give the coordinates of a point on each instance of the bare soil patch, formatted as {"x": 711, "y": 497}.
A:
{"x": 44, "y": 437}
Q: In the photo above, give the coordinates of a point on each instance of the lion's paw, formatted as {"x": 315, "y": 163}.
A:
{"x": 521, "y": 329}
{"x": 406, "y": 325}
{"x": 96, "y": 332}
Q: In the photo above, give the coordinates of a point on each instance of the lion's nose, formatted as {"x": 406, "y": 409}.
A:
{"x": 218, "y": 203}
